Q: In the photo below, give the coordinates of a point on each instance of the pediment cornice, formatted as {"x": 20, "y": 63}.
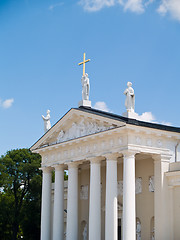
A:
{"x": 74, "y": 125}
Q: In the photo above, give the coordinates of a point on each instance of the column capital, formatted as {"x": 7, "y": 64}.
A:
{"x": 46, "y": 169}
{"x": 59, "y": 167}
{"x": 72, "y": 164}
{"x": 112, "y": 156}
{"x": 97, "y": 159}
{"x": 129, "y": 153}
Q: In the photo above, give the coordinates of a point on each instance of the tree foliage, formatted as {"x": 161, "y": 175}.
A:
{"x": 20, "y": 197}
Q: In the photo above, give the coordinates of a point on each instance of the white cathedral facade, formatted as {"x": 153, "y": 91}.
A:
{"x": 123, "y": 176}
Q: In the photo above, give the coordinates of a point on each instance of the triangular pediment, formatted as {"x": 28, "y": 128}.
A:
{"x": 77, "y": 124}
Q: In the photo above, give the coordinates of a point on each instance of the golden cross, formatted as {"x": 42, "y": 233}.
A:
{"x": 84, "y": 62}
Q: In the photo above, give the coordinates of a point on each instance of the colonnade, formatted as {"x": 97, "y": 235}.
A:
{"x": 111, "y": 214}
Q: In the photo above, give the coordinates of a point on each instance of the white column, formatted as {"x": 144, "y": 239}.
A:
{"x": 95, "y": 200}
{"x": 171, "y": 211}
{"x": 58, "y": 221}
{"x": 111, "y": 198}
{"x": 162, "y": 199}
{"x": 129, "y": 207}
{"x": 72, "y": 202}
{"x": 46, "y": 204}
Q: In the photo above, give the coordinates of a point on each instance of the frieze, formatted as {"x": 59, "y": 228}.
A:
{"x": 138, "y": 140}
{"x": 81, "y": 129}
{"x": 149, "y": 142}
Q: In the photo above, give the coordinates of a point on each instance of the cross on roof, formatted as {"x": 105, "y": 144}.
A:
{"x": 84, "y": 62}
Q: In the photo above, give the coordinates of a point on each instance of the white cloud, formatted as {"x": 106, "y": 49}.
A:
{"x": 147, "y": 117}
{"x": 7, "y": 103}
{"x": 96, "y": 5}
{"x": 51, "y": 7}
{"x": 148, "y": 3}
{"x": 101, "y": 106}
{"x": 134, "y": 6}
{"x": 137, "y": 6}
{"x": 170, "y": 6}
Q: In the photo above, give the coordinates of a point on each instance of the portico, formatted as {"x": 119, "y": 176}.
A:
{"x": 110, "y": 173}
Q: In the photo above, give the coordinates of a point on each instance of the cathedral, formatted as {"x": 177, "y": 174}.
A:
{"x": 123, "y": 175}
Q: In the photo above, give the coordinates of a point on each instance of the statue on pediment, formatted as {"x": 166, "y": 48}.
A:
{"x": 85, "y": 87}
{"x": 130, "y": 98}
{"x": 47, "y": 123}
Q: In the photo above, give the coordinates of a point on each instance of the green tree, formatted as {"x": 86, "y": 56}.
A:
{"x": 20, "y": 182}
{"x": 31, "y": 211}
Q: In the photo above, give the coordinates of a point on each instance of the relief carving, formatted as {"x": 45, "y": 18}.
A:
{"x": 81, "y": 129}
{"x": 84, "y": 192}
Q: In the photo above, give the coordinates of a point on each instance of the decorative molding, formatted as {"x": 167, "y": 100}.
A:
{"x": 81, "y": 129}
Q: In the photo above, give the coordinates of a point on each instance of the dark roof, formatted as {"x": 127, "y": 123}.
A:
{"x": 129, "y": 120}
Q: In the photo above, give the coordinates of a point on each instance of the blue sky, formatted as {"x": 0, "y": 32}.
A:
{"x": 42, "y": 42}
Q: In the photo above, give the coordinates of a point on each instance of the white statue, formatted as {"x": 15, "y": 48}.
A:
{"x": 85, "y": 232}
{"x": 130, "y": 98}
{"x": 47, "y": 123}
{"x": 138, "y": 230}
{"x": 85, "y": 87}
{"x": 151, "y": 184}
{"x": 138, "y": 185}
